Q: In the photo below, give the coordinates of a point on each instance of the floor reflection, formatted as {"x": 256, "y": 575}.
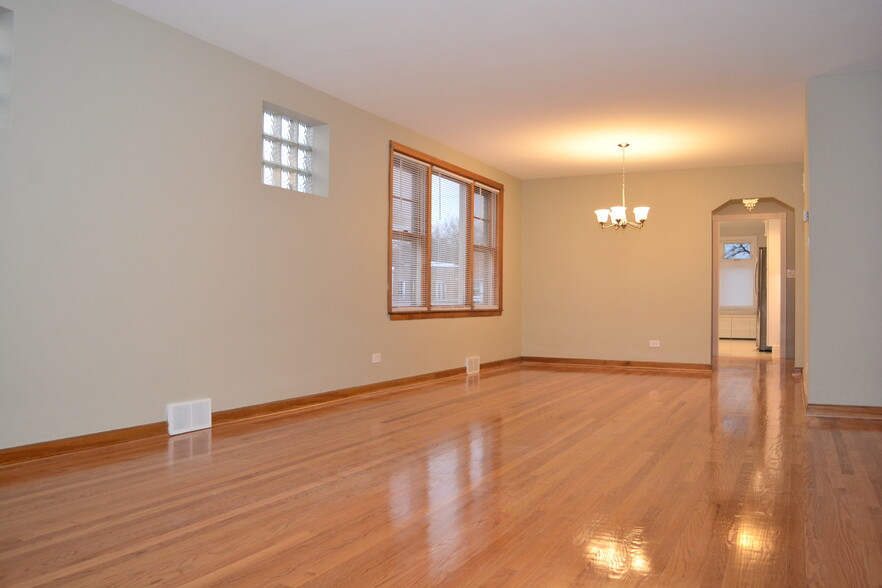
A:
{"x": 753, "y": 536}
{"x": 615, "y": 554}
{"x": 186, "y": 447}
{"x": 749, "y": 409}
{"x": 448, "y": 490}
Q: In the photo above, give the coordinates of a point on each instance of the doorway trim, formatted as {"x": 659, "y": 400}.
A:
{"x": 785, "y": 343}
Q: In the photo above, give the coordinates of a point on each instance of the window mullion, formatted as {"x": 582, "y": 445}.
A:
{"x": 303, "y": 146}
{"x": 298, "y": 170}
{"x": 427, "y": 250}
{"x": 469, "y": 219}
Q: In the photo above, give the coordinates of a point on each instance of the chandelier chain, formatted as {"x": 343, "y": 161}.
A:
{"x": 623, "y": 145}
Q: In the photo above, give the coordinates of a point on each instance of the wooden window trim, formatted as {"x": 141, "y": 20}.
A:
{"x": 459, "y": 311}
{"x": 408, "y": 315}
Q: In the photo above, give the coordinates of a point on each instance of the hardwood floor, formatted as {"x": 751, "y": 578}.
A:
{"x": 523, "y": 476}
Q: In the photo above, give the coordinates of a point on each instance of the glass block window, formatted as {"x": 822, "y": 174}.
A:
{"x": 287, "y": 152}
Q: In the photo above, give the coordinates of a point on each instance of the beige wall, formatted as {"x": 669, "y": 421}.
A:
{"x": 741, "y": 228}
{"x": 845, "y": 183}
{"x": 598, "y": 294}
{"x": 141, "y": 260}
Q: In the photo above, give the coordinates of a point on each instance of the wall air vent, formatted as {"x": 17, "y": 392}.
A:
{"x": 193, "y": 415}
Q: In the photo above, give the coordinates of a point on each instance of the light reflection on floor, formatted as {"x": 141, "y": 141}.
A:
{"x": 732, "y": 464}
{"x": 615, "y": 554}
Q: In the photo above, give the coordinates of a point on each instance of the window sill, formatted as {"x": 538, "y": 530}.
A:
{"x": 436, "y": 314}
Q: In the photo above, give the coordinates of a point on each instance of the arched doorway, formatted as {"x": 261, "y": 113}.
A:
{"x": 770, "y": 227}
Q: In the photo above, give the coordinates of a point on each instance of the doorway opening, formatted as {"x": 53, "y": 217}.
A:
{"x": 753, "y": 297}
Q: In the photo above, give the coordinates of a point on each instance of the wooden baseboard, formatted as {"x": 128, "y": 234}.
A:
{"x": 116, "y": 436}
{"x": 314, "y": 400}
{"x": 113, "y": 437}
{"x": 611, "y": 363}
{"x": 843, "y": 411}
{"x": 81, "y": 443}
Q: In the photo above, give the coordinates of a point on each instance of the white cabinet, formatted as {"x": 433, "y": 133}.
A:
{"x": 737, "y": 326}
{"x": 725, "y": 330}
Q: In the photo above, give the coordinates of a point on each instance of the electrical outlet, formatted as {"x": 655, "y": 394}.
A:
{"x": 654, "y": 343}
{"x": 376, "y": 358}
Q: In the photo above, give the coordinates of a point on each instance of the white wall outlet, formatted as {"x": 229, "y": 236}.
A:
{"x": 376, "y": 358}
{"x": 654, "y": 343}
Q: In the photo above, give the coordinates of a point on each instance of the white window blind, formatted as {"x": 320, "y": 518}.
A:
{"x": 737, "y": 285}
{"x": 409, "y": 200}
{"x": 287, "y": 152}
{"x": 486, "y": 254}
{"x": 738, "y": 272}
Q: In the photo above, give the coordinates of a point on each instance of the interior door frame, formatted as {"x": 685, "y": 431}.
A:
{"x": 717, "y": 218}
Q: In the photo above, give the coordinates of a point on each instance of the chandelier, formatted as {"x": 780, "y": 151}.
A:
{"x": 749, "y": 203}
{"x": 616, "y": 216}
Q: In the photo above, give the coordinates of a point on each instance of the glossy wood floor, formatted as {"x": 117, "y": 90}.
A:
{"x": 526, "y": 476}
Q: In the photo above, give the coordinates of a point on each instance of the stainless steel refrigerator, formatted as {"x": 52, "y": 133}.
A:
{"x": 762, "y": 301}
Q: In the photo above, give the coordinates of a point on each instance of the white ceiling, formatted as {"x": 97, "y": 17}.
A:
{"x": 547, "y": 88}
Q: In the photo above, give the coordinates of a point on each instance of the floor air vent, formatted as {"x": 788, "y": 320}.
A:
{"x": 184, "y": 417}
{"x": 473, "y": 364}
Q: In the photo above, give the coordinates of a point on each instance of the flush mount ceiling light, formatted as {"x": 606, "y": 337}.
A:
{"x": 749, "y": 203}
{"x": 616, "y": 217}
